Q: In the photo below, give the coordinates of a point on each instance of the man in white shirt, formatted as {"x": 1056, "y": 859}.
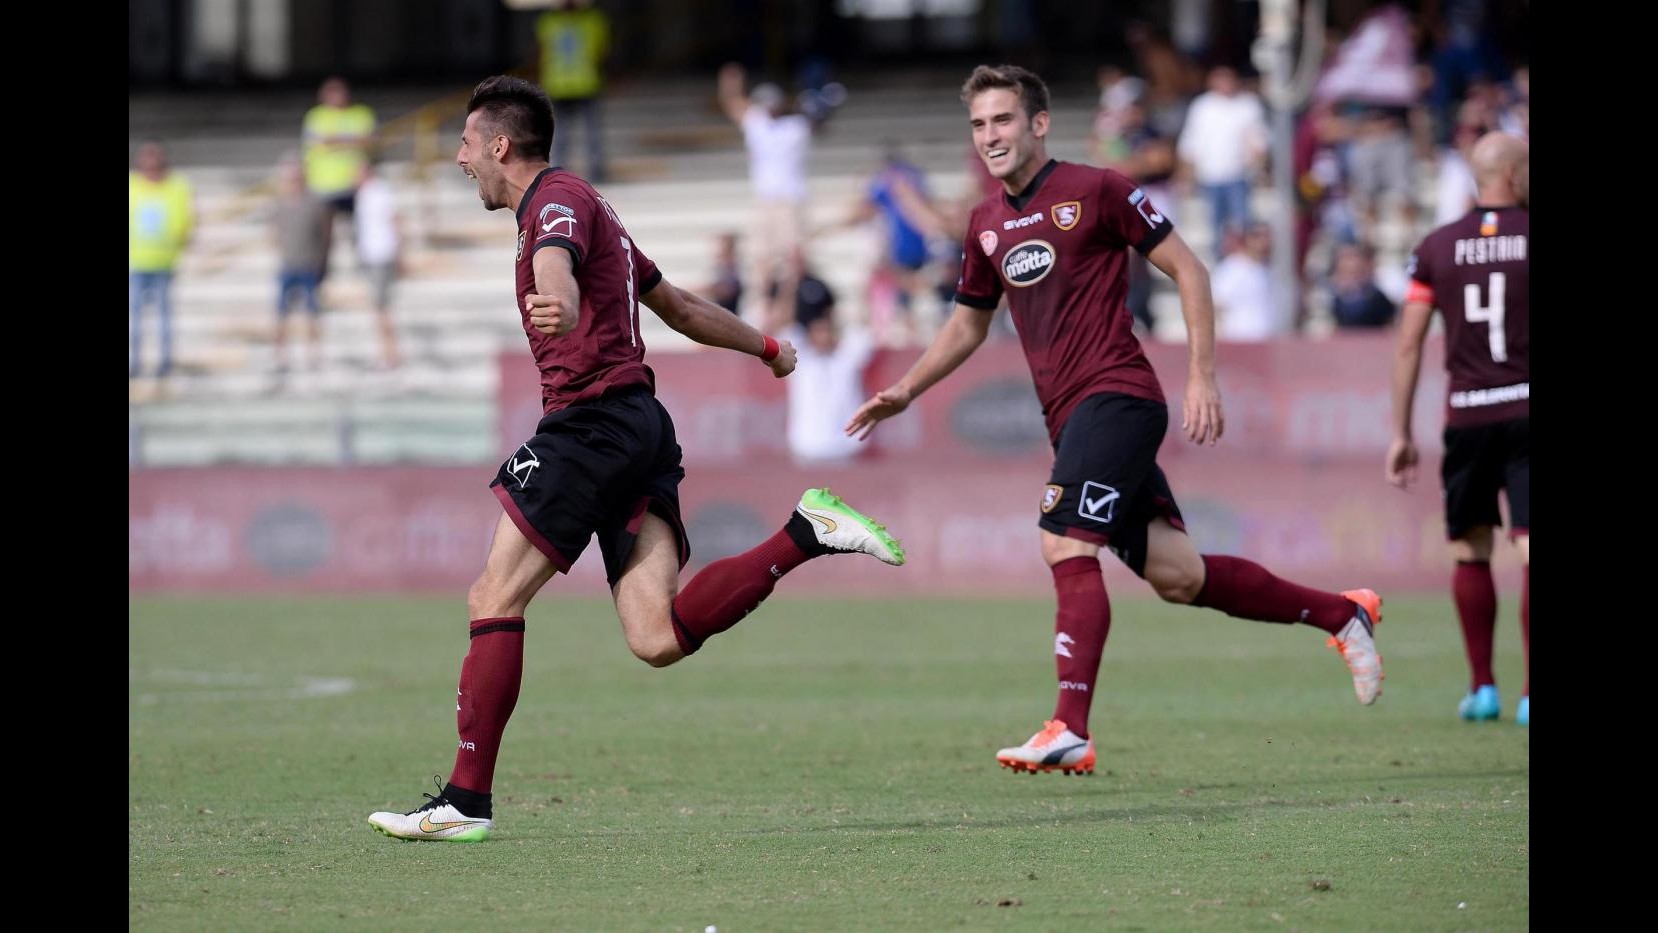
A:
{"x": 1246, "y": 306}
{"x": 778, "y": 143}
{"x": 377, "y": 249}
{"x": 827, "y": 387}
{"x": 1223, "y": 142}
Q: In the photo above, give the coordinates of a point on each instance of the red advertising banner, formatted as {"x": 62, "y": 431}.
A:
{"x": 1296, "y": 485}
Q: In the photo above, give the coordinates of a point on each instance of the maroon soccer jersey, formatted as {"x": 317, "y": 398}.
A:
{"x": 605, "y": 351}
{"x": 1060, "y": 252}
{"x": 1477, "y": 272}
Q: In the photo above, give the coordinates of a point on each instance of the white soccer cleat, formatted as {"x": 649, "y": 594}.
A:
{"x": 840, "y": 527}
{"x": 1357, "y": 644}
{"x": 437, "y": 820}
{"x": 1055, "y": 748}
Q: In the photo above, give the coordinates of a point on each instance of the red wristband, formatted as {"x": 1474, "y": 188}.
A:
{"x": 770, "y": 351}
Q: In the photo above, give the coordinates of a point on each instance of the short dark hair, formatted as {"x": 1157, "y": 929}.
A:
{"x": 1033, "y": 94}
{"x": 517, "y": 109}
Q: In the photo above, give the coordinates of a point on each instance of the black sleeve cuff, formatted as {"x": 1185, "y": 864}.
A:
{"x": 976, "y": 301}
{"x": 650, "y": 282}
{"x": 575, "y": 251}
{"x": 1157, "y": 235}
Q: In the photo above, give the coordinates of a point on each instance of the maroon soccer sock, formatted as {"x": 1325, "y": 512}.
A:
{"x": 1475, "y": 594}
{"x": 1246, "y": 590}
{"x": 1525, "y": 621}
{"x": 490, "y": 677}
{"x": 726, "y": 590}
{"x": 1080, "y": 627}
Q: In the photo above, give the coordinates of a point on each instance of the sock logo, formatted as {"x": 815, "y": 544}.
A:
{"x": 1060, "y": 642}
{"x": 468, "y": 746}
{"x": 775, "y": 572}
{"x": 1073, "y": 685}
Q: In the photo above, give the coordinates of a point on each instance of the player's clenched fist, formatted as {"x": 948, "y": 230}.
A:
{"x": 551, "y": 315}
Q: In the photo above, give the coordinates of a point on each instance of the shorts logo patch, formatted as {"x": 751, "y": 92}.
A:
{"x": 1050, "y": 497}
{"x": 1099, "y": 502}
{"x": 1066, "y": 214}
{"x": 523, "y": 467}
{"x": 987, "y": 241}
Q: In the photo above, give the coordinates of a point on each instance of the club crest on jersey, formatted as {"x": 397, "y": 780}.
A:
{"x": 1141, "y": 203}
{"x": 1488, "y": 224}
{"x": 1028, "y": 263}
{"x": 1066, "y": 214}
{"x": 561, "y": 225}
{"x": 987, "y": 241}
{"x": 1050, "y": 497}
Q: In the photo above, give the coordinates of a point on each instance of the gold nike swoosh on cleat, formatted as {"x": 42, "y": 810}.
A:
{"x": 828, "y": 523}
{"x": 427, "y": 826}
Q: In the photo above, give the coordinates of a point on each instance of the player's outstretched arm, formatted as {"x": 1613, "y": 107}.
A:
{"x": 713, "y": 326}
{"x": 1201, "y": 416}
{"x": 1407, "y": 366}
{"x": 730, "y": 86}
{"x": 956, "y": 341}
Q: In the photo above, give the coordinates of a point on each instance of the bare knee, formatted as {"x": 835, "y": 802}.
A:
{"x": 1476, "y": 545}
{"x": 487, "y": 599}
{"x": 1176, "y": 583}
{"x": 656, "y": 649}
{"x": 650, "y": 635}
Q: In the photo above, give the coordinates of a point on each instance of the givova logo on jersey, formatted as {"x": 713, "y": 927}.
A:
{"x": 1029, "y": 262}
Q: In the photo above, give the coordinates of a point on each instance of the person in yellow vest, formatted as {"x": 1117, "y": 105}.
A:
{"x": 160, "y": 218}
{"x": 574, "y": 38}
{"x": 338, "y": 135}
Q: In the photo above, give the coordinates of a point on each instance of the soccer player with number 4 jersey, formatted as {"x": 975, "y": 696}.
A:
{"x": 1477, "y": 272}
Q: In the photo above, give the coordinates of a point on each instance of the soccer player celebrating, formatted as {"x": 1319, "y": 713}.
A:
{"x": 603, "y": 460}
{"x": 1477, "y": 272}
{"x": 1055, "y": 241}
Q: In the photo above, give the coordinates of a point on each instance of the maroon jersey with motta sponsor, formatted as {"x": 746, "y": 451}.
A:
{"x": 1059, "y": 251}
{"x": 1477, "y": 272}
{"x": 604, "y": 352}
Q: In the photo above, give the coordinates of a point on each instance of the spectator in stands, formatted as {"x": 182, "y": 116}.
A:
{"x": 1455, "y": 191}
{"x": 899, "y": 278}
{"x": 827, "y": 386}
{"x": 1246, "y": 305}
{"x": 338, "y": 136}
{"x": 1381, "y": 165}
{"x": 1224, "y": 142}
{"x": 778, "y": 143}
{"x": 300, "y": 228}
{"x": 727, "y": 288}
{"x": 1118, "y": 90}
{"x": 574, "y": 39}
{"x": 1148, "y": 157}
{"x": 161, "y": 216}
{"x": 796, "y": 296}
{"x": 379, "y": 247}
{"x": 1355, "y": 301}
